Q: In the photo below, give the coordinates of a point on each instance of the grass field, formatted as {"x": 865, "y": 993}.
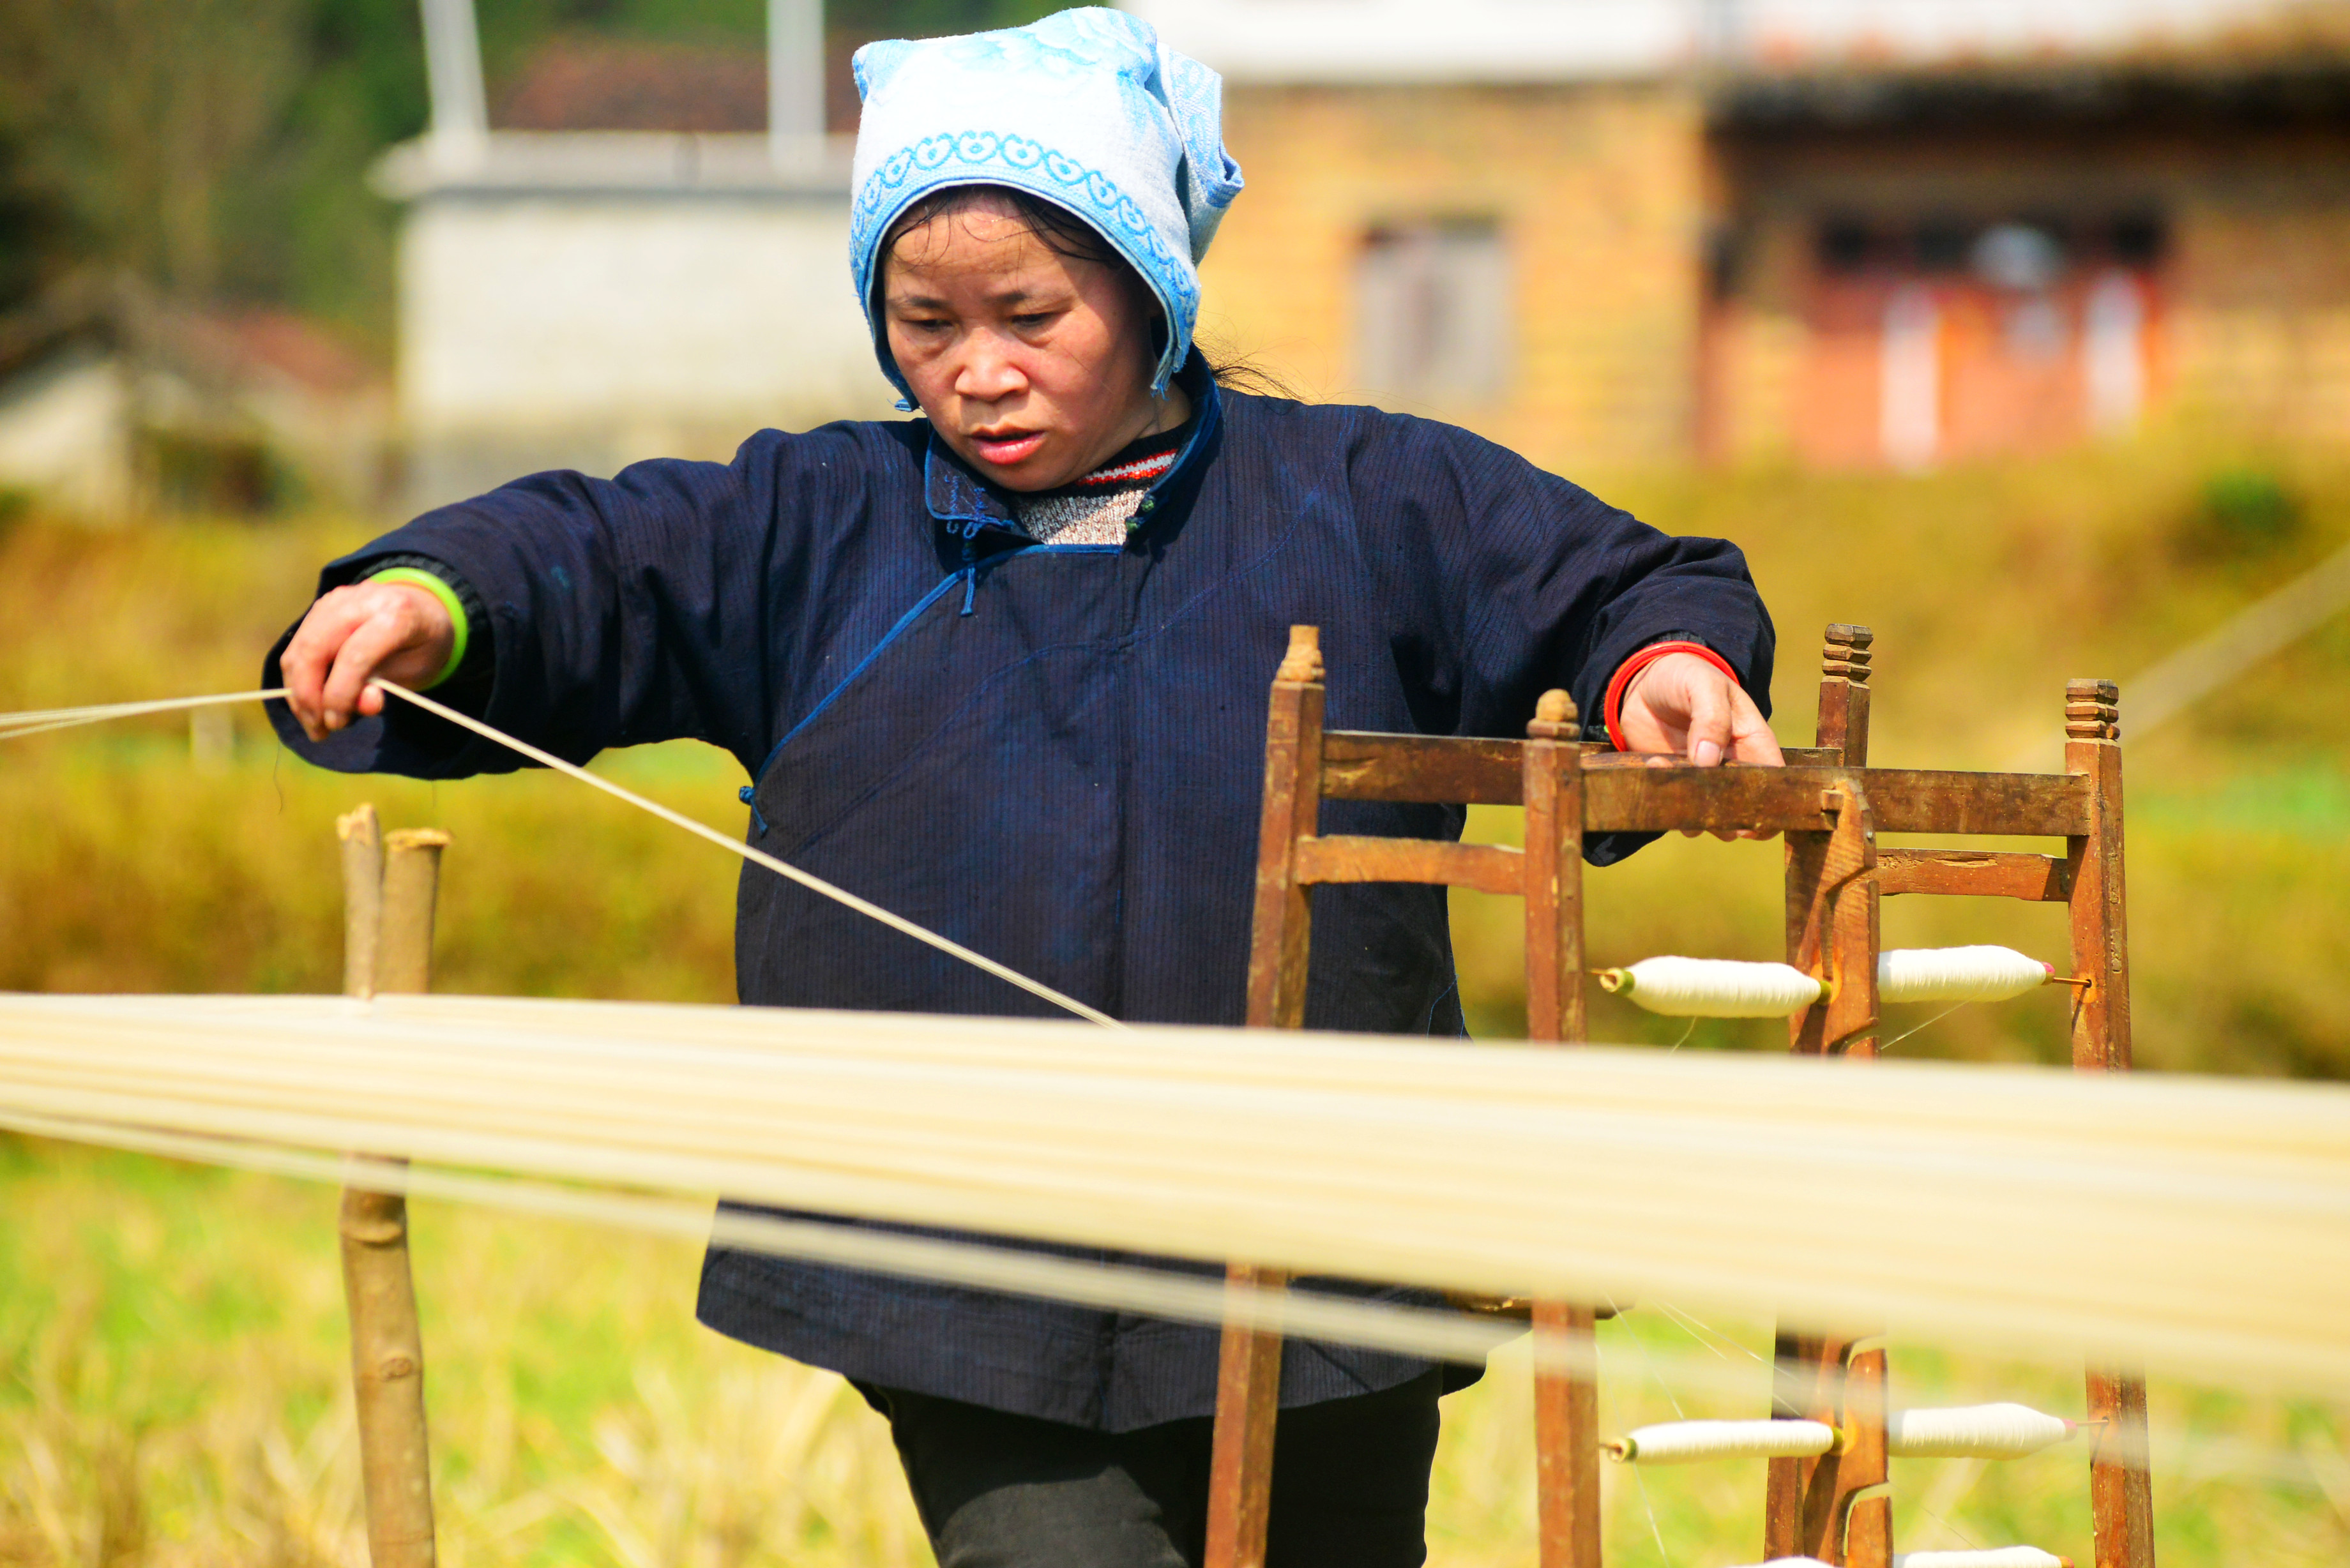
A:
{"x": 171, "y": 1380}
{"x": 173, "y": 1391}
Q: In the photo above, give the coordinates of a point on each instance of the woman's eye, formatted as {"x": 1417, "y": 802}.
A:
{"x": 1033, "y": 320}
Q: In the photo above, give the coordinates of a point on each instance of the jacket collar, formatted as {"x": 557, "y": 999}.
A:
{"x": 966, "y": 505}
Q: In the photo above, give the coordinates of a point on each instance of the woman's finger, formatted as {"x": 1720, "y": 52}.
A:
{"x": 308, "y": 657}
{"x": 1708, "y": 717}
{"x": 373, "y": 641}
{"x": 1751, "y": 740}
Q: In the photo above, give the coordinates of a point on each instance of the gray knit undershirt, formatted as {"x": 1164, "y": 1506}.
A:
{"x": 1089, "y": 517}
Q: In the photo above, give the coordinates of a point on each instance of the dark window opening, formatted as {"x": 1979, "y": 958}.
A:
{"x": 1845, "y": 245}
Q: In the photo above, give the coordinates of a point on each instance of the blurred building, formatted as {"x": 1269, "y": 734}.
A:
{"x": 579, "y": 299}
{"x": 1854, "y": 233}
{"x": 630, "y": 259}
{"x": 114, "y": 403}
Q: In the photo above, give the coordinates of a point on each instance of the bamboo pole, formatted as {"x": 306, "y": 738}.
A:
{"x": 389, "y": 886}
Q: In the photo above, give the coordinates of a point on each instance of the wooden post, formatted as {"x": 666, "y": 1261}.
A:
{"x": 1826, "y": 911}
{"x": 1844, "y": 692}
{"x": 1293, "y": 809}
{"x": 2121, "y": 1489}
{"x": 1552, "y": 765}
{"x": 1248, "y": 1405}
{"x": 1841, "y": 943}
{"x": 1812, "y": 1506}
{"x": 1815, "y": 1506}
{"x": 390, "y": 888}
{"x": 1248, "y": 1373}
{"x": 1863, "y": 1472}
{"x": 1566, "y": 1403}
{"x": 362, "y": 840}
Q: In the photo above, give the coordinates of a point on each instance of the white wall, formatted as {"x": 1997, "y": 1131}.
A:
{"x": 64, "y": 431}
{"x": 588, "y": 322}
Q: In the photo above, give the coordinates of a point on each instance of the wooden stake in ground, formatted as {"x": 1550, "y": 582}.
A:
{"x": 389, "y": 885}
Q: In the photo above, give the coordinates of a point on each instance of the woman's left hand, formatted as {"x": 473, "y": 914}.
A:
{"x": 1681, "y": 703}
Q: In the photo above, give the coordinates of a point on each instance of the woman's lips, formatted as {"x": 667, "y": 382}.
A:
{"x": 1003, "y": 451}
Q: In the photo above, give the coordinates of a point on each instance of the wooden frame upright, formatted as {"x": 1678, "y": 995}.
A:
{"x": 1830, "y": 804}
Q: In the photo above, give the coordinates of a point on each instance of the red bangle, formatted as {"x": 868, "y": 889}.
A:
{"x": 1641, "y": 661}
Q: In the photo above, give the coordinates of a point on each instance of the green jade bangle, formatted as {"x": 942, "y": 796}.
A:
{"x": 416, "y": 578}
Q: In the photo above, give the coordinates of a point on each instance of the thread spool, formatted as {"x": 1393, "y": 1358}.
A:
{"x": 1687, "y": 1442}
{"x": 1713, "y": 988}
{"x": 1958, "y": 974}
{"x": 2002, "y": 1431}
{"x": 1725, "y": 988}
{"x": 1993, "y": 1557}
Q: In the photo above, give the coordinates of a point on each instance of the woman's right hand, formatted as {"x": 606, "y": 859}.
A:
{"x": 354, "y": 634}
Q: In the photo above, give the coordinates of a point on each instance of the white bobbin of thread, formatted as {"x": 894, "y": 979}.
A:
{"x": 1685, "y": 1442}
{"x": 2004, "y": 1431}
{"x": 1713, "y": 988}
{"x": 1958, "y": 974}
{"x": 1992, "y": 1557}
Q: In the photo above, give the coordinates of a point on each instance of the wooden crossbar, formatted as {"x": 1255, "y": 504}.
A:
{"x": 1656, "y": 799}
{"x": 1456, "y": 770}
{"x": 1487, "y": 867}
{"x": 1988, "y": 873}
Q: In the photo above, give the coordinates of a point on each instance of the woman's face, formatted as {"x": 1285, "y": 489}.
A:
{"x": 1034, "y": 365}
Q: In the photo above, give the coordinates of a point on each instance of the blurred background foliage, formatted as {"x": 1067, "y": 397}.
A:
{"x": 218, "y": 149}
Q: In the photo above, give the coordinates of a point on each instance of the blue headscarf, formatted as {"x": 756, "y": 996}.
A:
{"x": 1086, "y": 109}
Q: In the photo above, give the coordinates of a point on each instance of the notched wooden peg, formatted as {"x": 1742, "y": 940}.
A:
{"x": 1846, "y": 656}
{"x": 2093, "y": 710}
{"x": 1302, "y": 664}
{"x": 1554, "y": 718}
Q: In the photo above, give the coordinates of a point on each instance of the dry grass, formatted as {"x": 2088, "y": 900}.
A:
{"x": 171, "y": 1380}
{"x": 172, "y": 1392}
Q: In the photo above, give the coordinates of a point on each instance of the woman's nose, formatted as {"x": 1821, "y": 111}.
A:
{"x": 989, "y": 372}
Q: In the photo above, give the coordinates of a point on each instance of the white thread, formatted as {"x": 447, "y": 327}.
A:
{"x": 35, "y": 721}
{"x": 2008, "y": 1205}
{"x": 2002, "y": 1431}
{"x": 1724, "y": 988}
{"x": 1685, "y": 1442}
{"x": 1713, "y": 988}
{"x": 1993, "y": 1557}
{"x": 1958, "y": 974}
{"x": 1427, "y": 1332}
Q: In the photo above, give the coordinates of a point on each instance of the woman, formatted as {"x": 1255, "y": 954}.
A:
{"x": 1002, "y": 669}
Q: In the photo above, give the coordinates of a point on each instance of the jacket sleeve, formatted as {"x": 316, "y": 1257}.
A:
{"x": 1520, "y": 581}
{"x": 621, "y": 611}
{"x": 1530, "y": 582}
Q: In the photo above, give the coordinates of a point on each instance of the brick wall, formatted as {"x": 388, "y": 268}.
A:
{"x": 1597, "y": 190}
{"x": 2250, "y": 323}
{"x": 2261, "y": 330}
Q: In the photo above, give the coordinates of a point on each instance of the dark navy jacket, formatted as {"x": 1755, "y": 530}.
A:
{"x": 1051, "y": 753}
